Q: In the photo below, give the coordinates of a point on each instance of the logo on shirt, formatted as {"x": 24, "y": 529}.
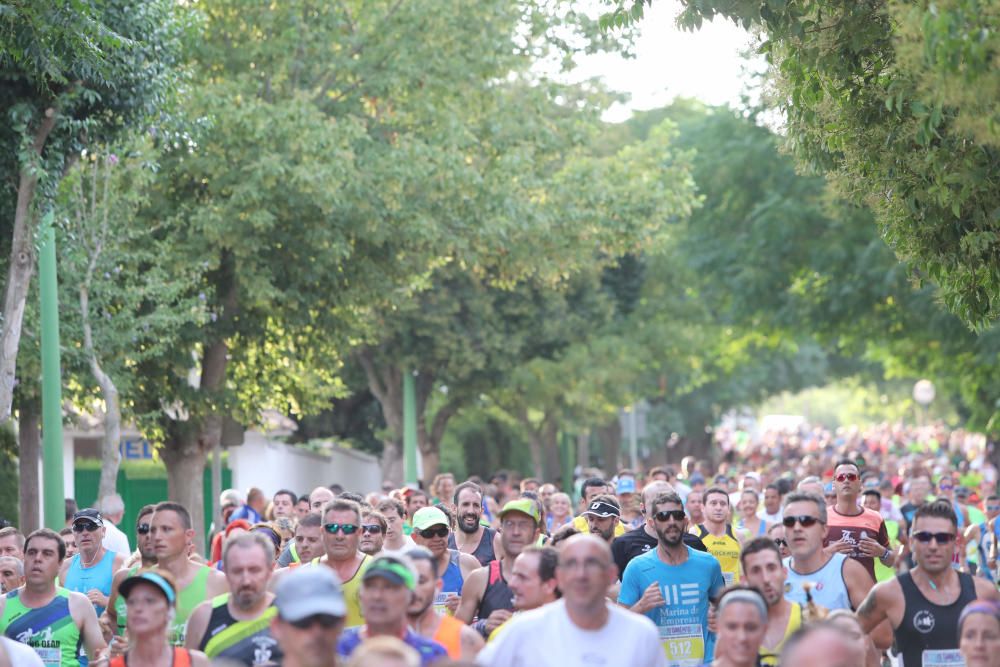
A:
{"x": 923, "y": 621}
{"x": 681, "y": 594}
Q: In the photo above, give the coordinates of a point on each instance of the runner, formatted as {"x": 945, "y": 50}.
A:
{"x": 342, "y": 533}
{"x": 763, "y": 569}
{"x": 923, "y": 605}
{"x": 307, "y": 545}
{"x": 386, "y": 593}
{"x": 748, "y": 524}
{"x": 486, "y": 595}
{"x": 117, "y": 612}
{"x": 672, "y": 586}
{"x": 603, "y": 516}
{"x": 395, "y": 519}
{"x": 533, "y": 579}
{"x": 872, "y": 499}
{"x": 461, "y": 641}
{"x": 91, "y": 570}
{"x": 695, "y": 506}
{"x": 981, "y": 542}
{"x": 11, "y": 542}
{"x": 52, "y": 620}
{"x": 560, "y": 512}
{"x": 593, "y": 487}
{"x": 772, "y": 505}
{"x": 472, "y": 537}
{"x": 373, "y": 527}
{"x": 172, "y": 534}
{"x": 236, "y": 626}
{"x": 283, "y": 504}
{"x": 979, "y": 634}
{"x": 857, "y": 532}
{"x": 742, "y": 622}
{"x": 310, "y": 618}
{"x": 589, "y": 630}
{"x": 431, "y": 528}
{"x": 318, "y": 499}
{"x": 717, "y": 534}
{"x": 11, "y": 574}
{"x": 150, "y": 598}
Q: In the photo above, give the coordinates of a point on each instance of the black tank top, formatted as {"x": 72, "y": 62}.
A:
{"x": 930, "y": 627}
{"x": 497, "y": 594}
{"x": 484, "y": 550}
{"x": 245, "y": 642}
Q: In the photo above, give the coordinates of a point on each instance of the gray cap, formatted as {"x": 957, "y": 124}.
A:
{"x": 307, "y": 591}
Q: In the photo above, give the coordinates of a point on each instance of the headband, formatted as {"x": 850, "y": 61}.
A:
{"x": 988, "y": 607}
{"x": 746, "y": 595}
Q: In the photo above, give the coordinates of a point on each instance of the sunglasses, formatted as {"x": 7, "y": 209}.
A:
{"x": 940, "y": 538}
{"x": 804, "y": 519}
{"x": 847, "y": 477}
{"x": 325, "y": 621}
{"x": 142, "y": 529}
{"x": 781, "y": 542}
{"x": 993, "y": 508}
{"x": 946, "y": 487}
{"x": 439, "y": 531}
{"x": 676, "y": 515}
{"x": 345, "y": 528}
{"x": 85, "y": 526}
{"x": 371, "y": 528}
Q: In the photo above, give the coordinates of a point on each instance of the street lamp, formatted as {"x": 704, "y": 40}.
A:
{"x": 923, "y": 394}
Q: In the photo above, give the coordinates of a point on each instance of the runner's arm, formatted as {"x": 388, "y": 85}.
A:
{"x": 985, "y": 589}
{"x": 199, "y": 659}
{"x": 63, "y": 570}
{"x": 472, "y": 643}
{"x": 217, "y": 584}
{"x": 468, "y": 564}
{"x": 197, "y": 624}
{"x": 85, "y": 617}
{"x": 472, "y": 594}
{"x": 111, "y": 611}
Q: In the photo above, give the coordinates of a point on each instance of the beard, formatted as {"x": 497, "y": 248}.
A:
{"x": 669, "y": 540}
{"x": 464, "y": 526}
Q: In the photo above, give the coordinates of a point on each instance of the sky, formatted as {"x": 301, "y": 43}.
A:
{"x": 671, "y": 62}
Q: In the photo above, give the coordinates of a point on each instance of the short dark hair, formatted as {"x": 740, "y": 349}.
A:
{"x": 563, "y": 533}
{"x": 938, "y": 509}
{"x": 416, "y": 492}
{"x": 548, "y": 559}
{"x": 71, "y": 508}
{"x": 716, "y": 490}
{"x": 423, "y": 554}
{"x": 472, "y": 486}
{"x": 47, "y": 534}
{"x": 286, "y": 492}
{"x": 668, "y": 497}
{"x": 396, "y": 506}
{"x": 758, "y": 545}
{"x": 176, "y": 508}
{"x": 848, "y": 462}
{"x": 143, "y": 511}
{"x": 591, "y": 482}
{"x": 774, "y": 487}
{"x": 872, "y": 492}
{"x": 311, "y": 520}
{"x": 356, "y": 497}
{"x": 377, "y": 516}
{"x": 303, "y": 498}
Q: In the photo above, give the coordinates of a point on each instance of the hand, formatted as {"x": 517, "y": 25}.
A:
{"x": 871, "y": 547}
{"x": 452, "y": 603}
{"x": 713, "y": 625}
{"x": 839, "y": 547}
{"x": 118, "y": 646}
{"x": 98, "y": 598}
{"x": 651, "y": 598}
{"x": 496, "y": 619}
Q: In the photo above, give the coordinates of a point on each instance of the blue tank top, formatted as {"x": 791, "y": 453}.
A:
{"x": 452, "y": 577}
{"x": 827, "y": 589}
{"x": 82, "y": 579}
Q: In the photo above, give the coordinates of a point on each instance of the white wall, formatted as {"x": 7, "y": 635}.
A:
{"x": 271, "y": 465}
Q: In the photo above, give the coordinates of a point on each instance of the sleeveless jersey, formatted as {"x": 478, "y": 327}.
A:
{"x": 82, "y": 579}
{"x": 449, "y": 635}
{"x": 245, "y": 642}
{"x": 828, "y": 588}
{"x": 188, "y": 598}
{"x": 120, "y": 608}
{"x": 451, "y": 580}
{"x": 726, "y": 550}
{"x": 770, "y": 657}
{"x": 927, "y": 633}
{"x": 497, "y": 594}
{"x": 484, "y": 550}
{"x": 49, "y": 630}
{"x": 181, "y": 659}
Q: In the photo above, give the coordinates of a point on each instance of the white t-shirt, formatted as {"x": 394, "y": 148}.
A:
{"x": 115, "y": 540}
{"x": 21, "y": 655}
{"x": 546, "y": 637}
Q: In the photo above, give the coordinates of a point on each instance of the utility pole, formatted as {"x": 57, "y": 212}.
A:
{"x": 409, "y": 428}
{"x": 52, "y": 440}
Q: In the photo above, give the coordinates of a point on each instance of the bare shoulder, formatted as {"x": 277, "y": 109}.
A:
{"x": 119, "y": 561}
{"x": 471, "y": 638}
{"x": 985, "y": 590}
{"x": 199, "y": 659}
{"x": 80, "y": 607}
{"x": 468, "y": 560}
{"x": 217, "y": 582}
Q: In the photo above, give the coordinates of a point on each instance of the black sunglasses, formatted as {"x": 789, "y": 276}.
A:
{"x": 345, "y": 528}
{"x": 434, "y": 531}
{"x": 676, "y": 515}
{"x": 940, "y": 538}
{"x": 142, "y": 529}
{"x": 325, "y": 621}
{"x": 85, "y": 526}
{"x": 372, "y": 528}
{"x": 806, "y": 520}
{"x": 780, "y": 542}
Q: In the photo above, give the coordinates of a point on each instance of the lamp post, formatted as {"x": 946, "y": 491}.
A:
{"x": 923, "y": 394}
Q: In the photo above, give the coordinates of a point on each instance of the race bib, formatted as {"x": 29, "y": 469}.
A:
{"x": 729, "y": 578}
{"x": 942, "y": 658}
{"x": 51, "y": 657}
{"x": 439, "y": 602}
{"x": 684, "y": 645}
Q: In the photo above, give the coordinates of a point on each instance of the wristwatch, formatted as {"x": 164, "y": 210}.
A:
{"x": 886, "y": 555}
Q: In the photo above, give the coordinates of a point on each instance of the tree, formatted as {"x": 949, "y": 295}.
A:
{"x": 74, "y": 72}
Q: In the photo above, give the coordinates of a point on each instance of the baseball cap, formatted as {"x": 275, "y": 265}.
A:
{"x": 149, "y": 576}
{"x": 392, "y": 570}
{"x": 625, "y": 485}
{"x": 425, "y": 517}
{"x": 603, "y": 509}
{"x": 309, "y": 591}
{"x": 89, "y": 514}
{"x": 524, "y": 506}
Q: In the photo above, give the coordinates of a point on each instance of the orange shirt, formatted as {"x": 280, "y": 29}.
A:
{"x": 851, "y": 528}
{"x": 449, "y": 635}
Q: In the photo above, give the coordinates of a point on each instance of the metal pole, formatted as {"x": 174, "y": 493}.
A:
{"x": 52, "y": 439}
{"x": 633, "y": 441}
{"x": 216, "y": 483}
{"x": 409, "y": 428}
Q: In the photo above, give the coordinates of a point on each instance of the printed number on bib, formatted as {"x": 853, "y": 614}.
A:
{"x": 942, "y": 658}
{"x": 684, "y": 645}
{"x": 51, "y": 657}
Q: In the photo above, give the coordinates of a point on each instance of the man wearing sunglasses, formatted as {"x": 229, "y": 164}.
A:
{"x": 672, "y": 585}
{"x": 923, "y": 604}
{"x": 855, "y": 531}
{"x": 373, "y": 527}
{"x": 431, "y": 529}
{"x": 310, "y": 617}
{"x": 114, "y": 615}
{"x": 92, "y": 569}
{"x": 341, "y": 538}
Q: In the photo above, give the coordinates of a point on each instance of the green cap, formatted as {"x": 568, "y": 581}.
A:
{"x": 392, "y": 570}
{"x": 425, "y": 517}
{"x": 524, "y": 506}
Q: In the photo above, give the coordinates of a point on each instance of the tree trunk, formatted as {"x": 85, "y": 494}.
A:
{"x": 550, "y": 438}
{"x": 583, "y": 450}
{"x": 392, "y": 461}
{"x": 429, "y": 440}
{"x": 20, "y": 269}
{"x": 611, "y": 442}
{"x": 386, "y": 385}
{"x": 110, "y": 454}
{"x": 185, "y": 458}
{"x": 29, "y": 453}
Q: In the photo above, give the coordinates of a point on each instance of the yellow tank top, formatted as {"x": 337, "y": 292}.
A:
{"x": 769, "y": 657}
{"x": 726, "y": 550}
{"x": 352, "y": 592}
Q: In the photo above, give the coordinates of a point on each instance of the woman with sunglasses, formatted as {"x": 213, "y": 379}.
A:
{"x": 150, "y": 597}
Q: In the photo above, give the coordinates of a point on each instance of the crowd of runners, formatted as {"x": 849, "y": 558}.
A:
{"x": 807, "y": 549}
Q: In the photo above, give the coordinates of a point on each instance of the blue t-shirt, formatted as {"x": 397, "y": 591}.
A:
{"x": 430, "y": 651}
{"x": 686, "y": 589}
